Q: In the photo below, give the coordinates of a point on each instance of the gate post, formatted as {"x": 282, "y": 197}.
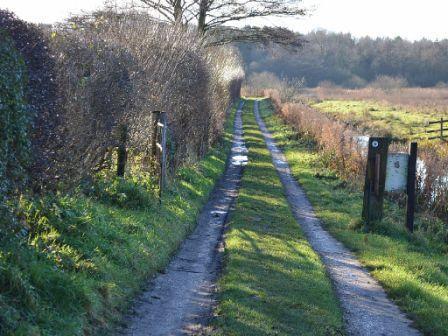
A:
{"x": 410, "y": 190}
{"x": 375, "y": 180}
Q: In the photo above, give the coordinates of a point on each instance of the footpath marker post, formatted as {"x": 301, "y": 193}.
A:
{"x": 375, "y": 180}
{"x": 162, "y": 147}
{"x": 158, "y": 146}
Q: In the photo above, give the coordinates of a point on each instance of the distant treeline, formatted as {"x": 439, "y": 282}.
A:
{"x": 348, "y": 61}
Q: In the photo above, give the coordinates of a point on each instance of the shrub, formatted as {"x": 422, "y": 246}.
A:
{"x": 355, "y": 82}
{"x": 95, "y": 89}
{"x": 287, "y": 88}
{"x": 136, "y": 65}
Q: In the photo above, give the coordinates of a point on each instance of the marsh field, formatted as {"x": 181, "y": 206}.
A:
{"x": 401, "y": 113}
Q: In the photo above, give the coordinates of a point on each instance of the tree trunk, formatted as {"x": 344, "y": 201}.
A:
{"x": 203, "y": 8}
{"x": 178, "y": 11}
{"x": 122, "y": 153}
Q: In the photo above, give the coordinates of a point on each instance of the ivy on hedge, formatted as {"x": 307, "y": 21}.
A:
{"x": 15, "y": 118}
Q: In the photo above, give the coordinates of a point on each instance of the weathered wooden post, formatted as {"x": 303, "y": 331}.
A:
{"x": 158, "y": 146}
{"x": 375, "y": 180}
{"x": 441, "y": 129}
{"x": 155, "y": 134}
{"x": 162, "y": 148}
{"x": 122, "y": 153}
{"x": 410, "y": 188}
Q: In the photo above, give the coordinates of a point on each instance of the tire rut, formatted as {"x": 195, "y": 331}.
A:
{"x": 180, "y": 300}
{"x": 366, "y": 308}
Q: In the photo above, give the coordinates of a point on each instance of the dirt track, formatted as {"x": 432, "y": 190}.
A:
{"x": 367, "y": 310}
{"x": 180, "y": 300}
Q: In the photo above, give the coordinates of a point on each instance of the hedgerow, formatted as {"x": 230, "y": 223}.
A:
{"x": 39, "y": 95}
{"x": 95, "y": 75}
{"x": 15, "y": 118}
{"x": 76, "y": 241}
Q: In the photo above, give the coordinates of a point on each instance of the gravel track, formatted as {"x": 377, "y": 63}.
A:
{"x": 180, "y": 300}
{"x": 367, "y": 310}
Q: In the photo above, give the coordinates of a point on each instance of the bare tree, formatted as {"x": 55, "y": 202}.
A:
{"x": 213, "y": 16}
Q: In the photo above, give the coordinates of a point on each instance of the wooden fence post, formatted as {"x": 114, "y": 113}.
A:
{"x": 162, "y": 177}
{"x": 375, "y": 180}
{"x": 441, "y": 129}
{"x": 122, "y": 153}
{"x": 155, "y": 134}
{"x": 410, "y": 190}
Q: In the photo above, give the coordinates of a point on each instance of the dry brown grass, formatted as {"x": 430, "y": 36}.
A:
{"x": 337, "y": 141}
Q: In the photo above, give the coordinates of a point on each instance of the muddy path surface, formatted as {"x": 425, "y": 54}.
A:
{"x": 180, "y": 300}
{"x": 366, "y": 308}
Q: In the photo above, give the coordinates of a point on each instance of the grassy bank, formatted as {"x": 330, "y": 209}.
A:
{"x": 376, "y": 117}
{"x": 413, "y": 270}
{"x": 273, "y": 282}
{"x": 80, "y": 258}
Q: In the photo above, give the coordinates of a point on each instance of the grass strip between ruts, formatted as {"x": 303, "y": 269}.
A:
{"x": 273, "y": 282}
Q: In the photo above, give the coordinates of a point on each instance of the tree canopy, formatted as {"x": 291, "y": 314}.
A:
{"x": 215, "y": 17}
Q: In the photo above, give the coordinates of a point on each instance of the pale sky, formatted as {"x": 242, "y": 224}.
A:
{"x": 409, "y": 19}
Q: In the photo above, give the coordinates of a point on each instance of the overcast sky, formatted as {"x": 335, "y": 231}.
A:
{"x": 410, "y": 19}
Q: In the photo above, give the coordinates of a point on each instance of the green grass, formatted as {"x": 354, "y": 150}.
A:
{"x": 72, "y": 263}
{"x": 273, "y": 282}
{"x": 413, "y": 270}
{"x": 377, "y": 118}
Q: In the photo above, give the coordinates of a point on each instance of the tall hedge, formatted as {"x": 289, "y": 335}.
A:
{"x": 15, "y": 118}
{"x": 90, "y": 76}
{"x": 40, "y": 94}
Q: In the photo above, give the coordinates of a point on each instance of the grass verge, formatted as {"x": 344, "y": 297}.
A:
{"x": 412, "y": 269}
{"x": 273, "y": 282}
{"x": 79, "y": 259}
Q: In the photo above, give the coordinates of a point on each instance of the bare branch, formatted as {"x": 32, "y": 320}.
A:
{"x": 212, "y": 15}
{"x": 264, "y": 35}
